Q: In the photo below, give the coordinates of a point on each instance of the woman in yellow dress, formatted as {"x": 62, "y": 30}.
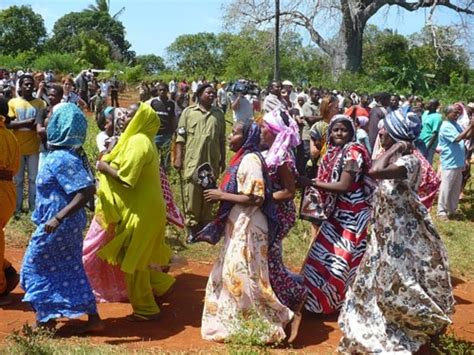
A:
{"x": 130, "y": 201}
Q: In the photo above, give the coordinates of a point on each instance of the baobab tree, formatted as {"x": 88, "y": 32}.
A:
{"x": 349, "y": 18}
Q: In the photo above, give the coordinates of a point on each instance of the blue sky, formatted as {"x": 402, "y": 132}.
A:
{"x": 152, "y": 25}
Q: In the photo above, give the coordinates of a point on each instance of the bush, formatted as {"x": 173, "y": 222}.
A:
{"x": 133, "y": 75}
{"x": 59, "y": 62}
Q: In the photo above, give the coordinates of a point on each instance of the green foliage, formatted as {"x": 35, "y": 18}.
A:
{"x": 415, "y": 64}
{"x": 134, "y": 74}
{"x": 151, "y": 63}
{"x": 21, "y": 29}
{"x": 42, "y": 342}
{"x": 59, "y": 62}
{"x": 67, "y": 32}
{"x": 93, "y": 49}
{"x": 196, "y": 55}
{"x": 247, "y": 331}
{"x": 450, "y": 344}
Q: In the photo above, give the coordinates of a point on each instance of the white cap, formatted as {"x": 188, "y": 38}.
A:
{"x": 287, "y": 82}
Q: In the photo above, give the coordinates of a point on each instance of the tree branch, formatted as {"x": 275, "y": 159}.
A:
{"x": 413, "y": 6}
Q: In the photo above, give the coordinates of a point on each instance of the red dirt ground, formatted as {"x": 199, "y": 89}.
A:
{"x": 179, "y": 327}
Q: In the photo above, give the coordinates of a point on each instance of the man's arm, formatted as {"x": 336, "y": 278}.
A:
{"x": 236, "y": 102}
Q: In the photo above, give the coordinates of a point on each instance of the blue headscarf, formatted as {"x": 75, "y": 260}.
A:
{"x": 213, "y": 232}
{"x": 67, "y": 127}
{"x": 403, "y": 127}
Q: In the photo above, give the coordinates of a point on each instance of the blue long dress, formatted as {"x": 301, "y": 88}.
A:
{"x": 53, "y": 275}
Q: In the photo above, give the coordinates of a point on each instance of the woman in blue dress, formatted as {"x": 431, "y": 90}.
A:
{"x": 53, "y": 275}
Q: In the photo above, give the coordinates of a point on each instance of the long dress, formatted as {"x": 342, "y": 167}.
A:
{"x": 134, "y": 209}
{"x": 402, "y": 290}
{"x": 239, "y": 285}
{"x": 288, "y": 286}
{"x": 9, "y": 165}
{"x": 341, "y": 241}
{"x": 52, "y": 274}
{"x": 107, "y": 280}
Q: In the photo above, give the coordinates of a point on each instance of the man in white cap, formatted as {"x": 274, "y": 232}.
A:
{"x": 288, "y": 86}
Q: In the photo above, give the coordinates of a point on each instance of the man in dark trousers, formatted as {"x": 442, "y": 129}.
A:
{"x": 166, "y": 112}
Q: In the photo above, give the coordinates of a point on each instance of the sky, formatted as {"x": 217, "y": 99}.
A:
{"x": 152, "y": 25}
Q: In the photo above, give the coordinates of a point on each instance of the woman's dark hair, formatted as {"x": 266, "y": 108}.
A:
{"x": 100, "y": 120}
{"x": 3, "y": 107}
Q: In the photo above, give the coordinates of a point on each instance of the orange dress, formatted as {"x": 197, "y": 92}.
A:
{"x": 9, "y": 165}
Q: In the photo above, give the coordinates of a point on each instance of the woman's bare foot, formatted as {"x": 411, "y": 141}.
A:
{"x": 5, "y": 300}
{"x": 93, "y": 324}
{"x": 49, "y": 325}
{"x": 294, "y": 327}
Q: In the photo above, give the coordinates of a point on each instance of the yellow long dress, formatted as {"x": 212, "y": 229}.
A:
{"x": 135, "y": 207}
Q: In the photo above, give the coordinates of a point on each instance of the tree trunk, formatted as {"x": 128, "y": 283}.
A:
{"x": 349, "y": 51}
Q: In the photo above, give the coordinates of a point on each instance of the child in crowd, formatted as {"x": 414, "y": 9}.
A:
{"x": 361, "y": 133}
{"x": 97, "y": 103}
{"x": 105, "y": 121}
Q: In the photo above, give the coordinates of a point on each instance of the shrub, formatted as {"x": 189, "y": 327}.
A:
{"x": 59, "y": 62}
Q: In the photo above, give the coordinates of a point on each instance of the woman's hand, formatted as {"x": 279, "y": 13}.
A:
{"x": 52, "y": 225}
{"x": 303, "y": 181}
{"x": 403, "y": 147}
{"x": 102, "y": 166}
{"x": 213, "y": 195}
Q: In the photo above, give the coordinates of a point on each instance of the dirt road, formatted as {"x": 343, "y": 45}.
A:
{"x": 179, "y": 327}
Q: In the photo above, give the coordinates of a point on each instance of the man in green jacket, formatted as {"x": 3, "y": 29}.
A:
{"x": 200, "y": 139}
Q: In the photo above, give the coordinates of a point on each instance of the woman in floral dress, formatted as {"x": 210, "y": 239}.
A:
{"x": 402, "y": 291}
{"x": 280, "y": 135}
{"x": 239, "y": 285}
{"x": 340, "y": 243}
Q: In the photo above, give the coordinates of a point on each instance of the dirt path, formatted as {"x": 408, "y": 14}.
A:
{"x": 179, "y": 328}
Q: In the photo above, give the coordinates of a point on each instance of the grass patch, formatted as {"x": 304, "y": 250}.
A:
{"x": 450, "y": 344}
{"x": 42, "y": 342}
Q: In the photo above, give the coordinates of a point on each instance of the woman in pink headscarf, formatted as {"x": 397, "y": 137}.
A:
{"x": 280, "y": 134}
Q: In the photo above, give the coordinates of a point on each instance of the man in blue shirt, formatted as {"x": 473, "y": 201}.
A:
{"x": 453, "y": 161}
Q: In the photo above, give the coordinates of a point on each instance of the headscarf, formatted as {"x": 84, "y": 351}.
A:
{"x": 363, "y": 120}
{"x": 402, "y": 128}
{"x": 463, "y": 119}
{"x": 108, "y": 110}
{"x": 285, "y": 128}
{"x": 145, "y": 122}
{"x": 67, "y": 127}
{"x": 331, "y": 167}
{"x": 214, "y": 230}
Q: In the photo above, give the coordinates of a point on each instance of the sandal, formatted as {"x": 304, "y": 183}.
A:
{"x": 135, "y": 317}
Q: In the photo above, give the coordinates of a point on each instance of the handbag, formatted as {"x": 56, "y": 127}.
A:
{"x": 312, "y": 206}
{"x": 204, "y": 177}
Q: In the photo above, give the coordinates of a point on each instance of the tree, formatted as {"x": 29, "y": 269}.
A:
{"x": 151, "y": 63}
{"x": 21, "y": 29}
{"x": 196, "y": 54}
{"x": 103, "y": 6}
{"x": 349, "y": 17}
{"x": 93, "y": 49}
{"x": 67, "y": 30}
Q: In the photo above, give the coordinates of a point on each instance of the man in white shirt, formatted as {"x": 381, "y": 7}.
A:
{"x": 222, "y": 98}
{"x": 173, "y": 86}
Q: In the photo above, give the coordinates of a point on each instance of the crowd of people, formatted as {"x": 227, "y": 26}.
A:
{"x": 364, "y": 165}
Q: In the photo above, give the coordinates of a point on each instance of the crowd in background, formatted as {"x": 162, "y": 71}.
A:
{"x": 364, "y": 164}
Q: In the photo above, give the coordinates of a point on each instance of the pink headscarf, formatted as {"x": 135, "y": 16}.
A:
{"x": 285, "y": 128}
